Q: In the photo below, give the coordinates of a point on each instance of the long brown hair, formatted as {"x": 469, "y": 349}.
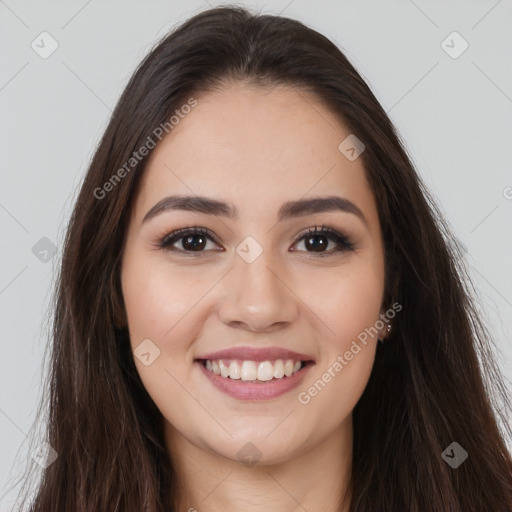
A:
{"x": 435, "y": 381}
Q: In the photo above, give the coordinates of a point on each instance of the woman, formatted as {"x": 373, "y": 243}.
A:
{"x": 259, "y": 305}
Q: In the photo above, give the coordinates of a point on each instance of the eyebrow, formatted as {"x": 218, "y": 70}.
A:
{"x": 288, "y": 210}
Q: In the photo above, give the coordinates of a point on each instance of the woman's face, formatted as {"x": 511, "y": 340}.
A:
{"x": 254, "y": 282}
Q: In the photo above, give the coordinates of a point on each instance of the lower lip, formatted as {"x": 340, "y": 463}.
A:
{"x": 244, "y": 390}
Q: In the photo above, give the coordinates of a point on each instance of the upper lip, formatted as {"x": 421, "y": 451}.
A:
{"x": 256, "y": 354}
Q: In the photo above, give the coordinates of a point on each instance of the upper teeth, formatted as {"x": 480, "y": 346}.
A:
{"x": 252, "y": 370}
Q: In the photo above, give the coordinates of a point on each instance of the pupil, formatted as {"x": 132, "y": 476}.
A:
{"x": 187, "y": 240}
{"x": 318, "y": 245}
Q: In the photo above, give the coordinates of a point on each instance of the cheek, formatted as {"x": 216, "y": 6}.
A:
{"x": 350, "y": 310}
{"x": 160, "y": 304}
{"x": 349, "y": 301}
{"x": 157, "y": 297}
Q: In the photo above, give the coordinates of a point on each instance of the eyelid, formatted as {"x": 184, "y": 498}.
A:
{"x": 189, "y": 230}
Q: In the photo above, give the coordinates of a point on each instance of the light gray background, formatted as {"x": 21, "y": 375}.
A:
{"x": 454, "y": 115}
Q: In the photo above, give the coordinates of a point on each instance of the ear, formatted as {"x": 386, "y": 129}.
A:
{"x": 384, "y": 333}
{"x": 386, "y": 329}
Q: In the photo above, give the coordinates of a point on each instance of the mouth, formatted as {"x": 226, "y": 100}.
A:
{"x": 254, "y": 380}
{"x": 254, "y": 371}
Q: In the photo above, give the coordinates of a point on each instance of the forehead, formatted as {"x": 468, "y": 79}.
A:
{"x": 255, "y": 147}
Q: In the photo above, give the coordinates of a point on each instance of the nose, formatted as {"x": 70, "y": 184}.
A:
{"x": 257, "y": 296}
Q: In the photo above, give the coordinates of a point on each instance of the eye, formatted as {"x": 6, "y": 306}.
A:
{"x": 317, "y": 239}
{"x": 193, "y": 240}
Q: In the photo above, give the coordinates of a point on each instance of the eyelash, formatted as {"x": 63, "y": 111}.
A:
{"x": 344, "y": 243}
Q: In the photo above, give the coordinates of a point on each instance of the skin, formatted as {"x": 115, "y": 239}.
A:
{"x": 256, "y": 148}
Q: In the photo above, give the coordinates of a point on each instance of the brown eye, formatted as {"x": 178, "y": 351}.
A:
{"x": 317, "y": 240}
{"x": 191, "y": 240}
{"x": 194, "y": 242}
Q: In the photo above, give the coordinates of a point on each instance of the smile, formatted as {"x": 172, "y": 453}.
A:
{"x": 253, "y": 371}
{"x": 254, "y": 380}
